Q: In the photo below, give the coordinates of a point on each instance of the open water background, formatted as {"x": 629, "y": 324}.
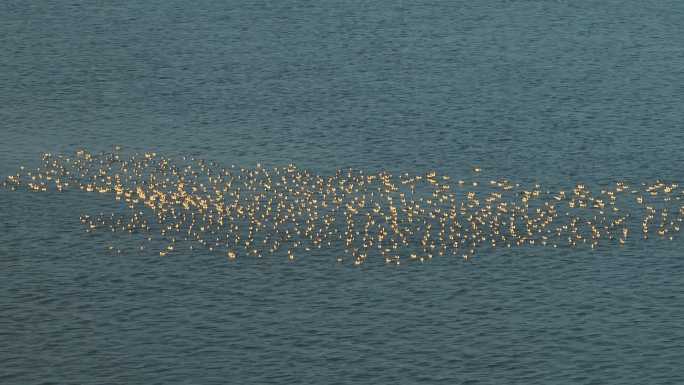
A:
{"x": 549, "y": 91}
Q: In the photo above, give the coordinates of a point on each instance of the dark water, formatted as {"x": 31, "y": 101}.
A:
{"x": 548, "y": 91}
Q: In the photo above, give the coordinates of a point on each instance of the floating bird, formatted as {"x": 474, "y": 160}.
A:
{"x": 288, "y": 211}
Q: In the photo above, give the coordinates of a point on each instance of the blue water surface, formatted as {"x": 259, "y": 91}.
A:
{"x": 554, "y": 92}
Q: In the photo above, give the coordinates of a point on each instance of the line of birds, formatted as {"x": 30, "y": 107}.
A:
{"x": 289, "y": 211}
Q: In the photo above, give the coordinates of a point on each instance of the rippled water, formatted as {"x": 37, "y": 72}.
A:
{"x": 554, "y": 92}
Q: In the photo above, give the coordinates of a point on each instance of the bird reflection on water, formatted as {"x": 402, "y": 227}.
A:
{"x": 288, "y": 211}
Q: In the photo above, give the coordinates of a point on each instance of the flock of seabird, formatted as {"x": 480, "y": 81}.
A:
{"x": 289, "y": 212}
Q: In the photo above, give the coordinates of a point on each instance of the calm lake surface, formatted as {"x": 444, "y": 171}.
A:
{"x": 554, "y": 92}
